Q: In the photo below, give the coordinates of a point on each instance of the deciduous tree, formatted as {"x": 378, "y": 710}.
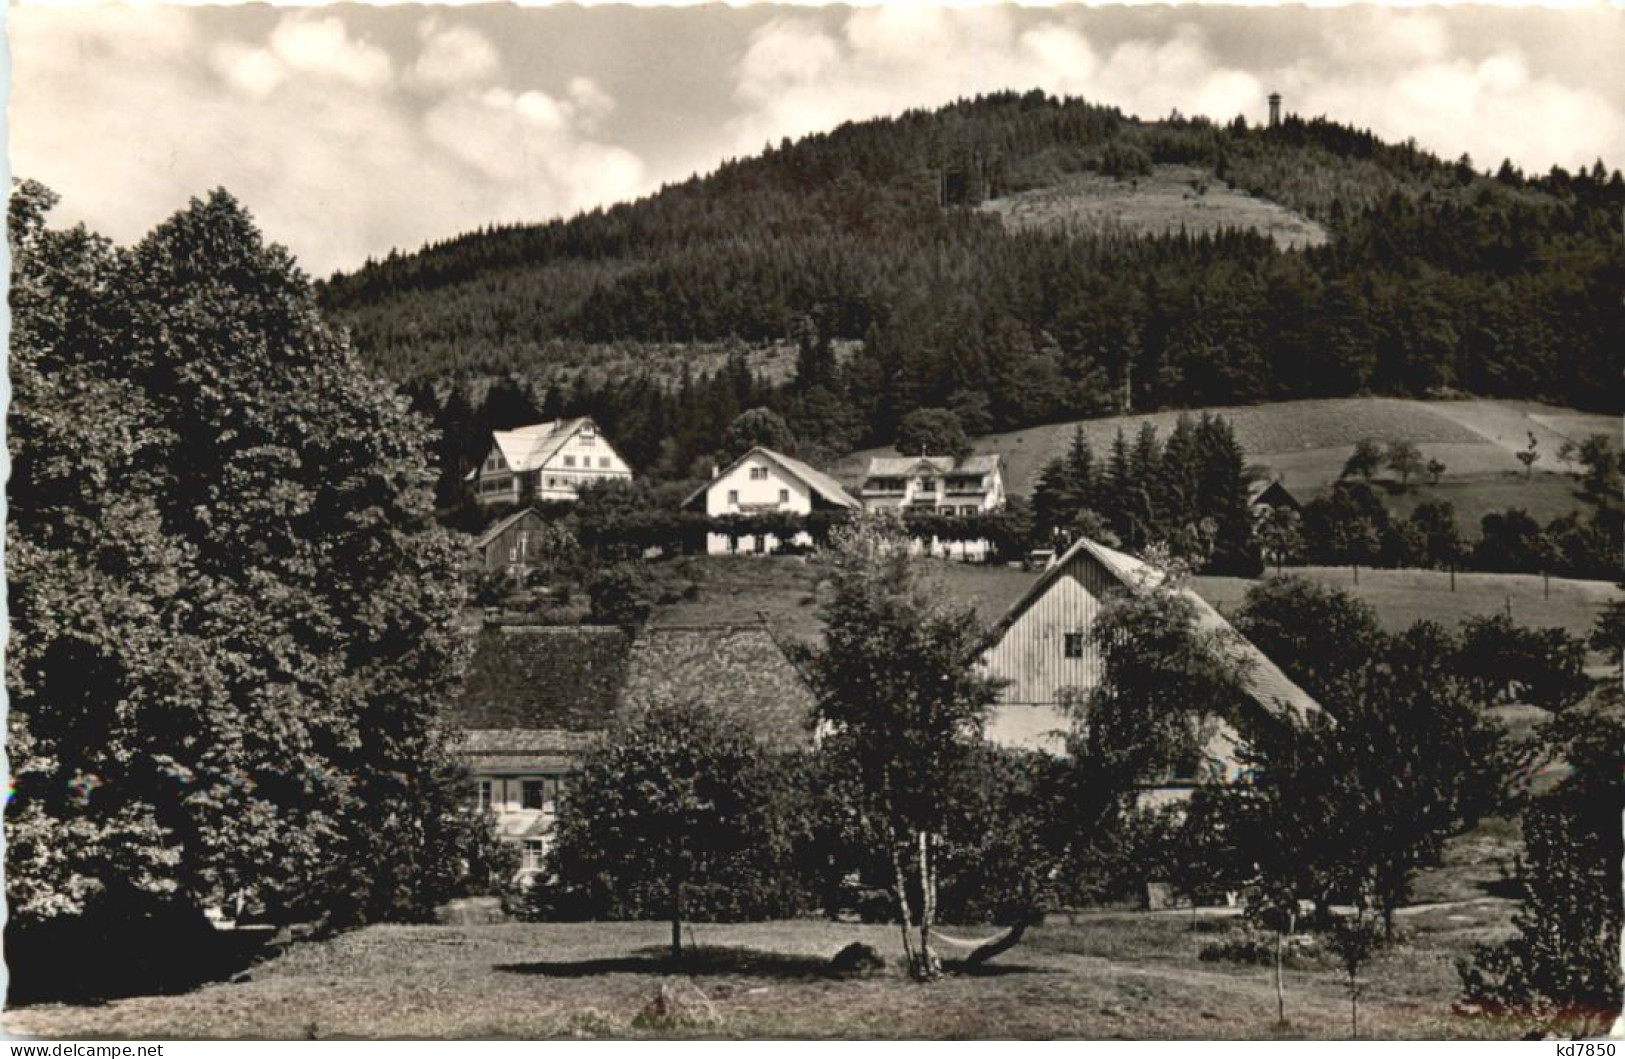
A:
{"x": 896, "y": 683}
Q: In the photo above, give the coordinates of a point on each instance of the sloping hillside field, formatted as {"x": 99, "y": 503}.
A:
{"x": 1304, "y": 443}
{"x": 1174, "y": 198}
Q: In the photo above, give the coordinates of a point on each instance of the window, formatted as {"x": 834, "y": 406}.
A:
{"x": 532, "y": 794}
{"x": 758, "y": 474}
{"x": 603, "y": 462}
{"x": 1074, "y": 645}
{"x": 535, "y": 852}
{"x": 784, "y": 496}
{"x": 569, "y": 461}
{"x": 588, "y": 431}
{"x": 927, "y": 485}
{"x": 484, "y": 795}
{"x": 587, "y": 440}
{"x": 541, "y": 795}
{"x": 552, "y": 483}
{"x": 733, "y": 496}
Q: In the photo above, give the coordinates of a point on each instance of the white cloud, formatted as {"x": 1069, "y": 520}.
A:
{"x": 312, "y": 127}
{"x": 254, "y": 72}
{"x": 795, "y": 78}
{"x": 324, "y": 48}
{"x": 454, "y": 57}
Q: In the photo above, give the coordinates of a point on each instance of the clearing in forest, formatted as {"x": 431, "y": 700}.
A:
{"x": 1172, "y": 199}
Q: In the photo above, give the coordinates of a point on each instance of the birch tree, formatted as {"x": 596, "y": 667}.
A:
{"x": 899, "y": 692}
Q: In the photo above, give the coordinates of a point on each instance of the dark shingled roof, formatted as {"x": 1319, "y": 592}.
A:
{"x": 738, "y": 670}
{"x": 543, "y": 677}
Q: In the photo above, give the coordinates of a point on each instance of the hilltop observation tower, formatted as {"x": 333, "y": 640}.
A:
{"x": 1275, "y": 109}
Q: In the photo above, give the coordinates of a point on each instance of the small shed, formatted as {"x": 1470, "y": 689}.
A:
{"x": 513, "y": 544}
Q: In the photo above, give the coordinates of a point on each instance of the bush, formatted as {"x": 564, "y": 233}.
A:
{"x": 620, "y": 595}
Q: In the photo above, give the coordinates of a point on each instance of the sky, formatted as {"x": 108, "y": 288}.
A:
{"x": 349, "y": 131}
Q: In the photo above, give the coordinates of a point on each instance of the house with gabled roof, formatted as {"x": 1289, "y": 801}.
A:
{"x": 532, "y": 700}
{"x": 535, "y": 697}
{"x": 937, "y": 485}
{"x": 1264, "y": 496}
{"x": 1042, "y": 649}
{"x": 765, "y": 482}
{"x": 546, "y": 461}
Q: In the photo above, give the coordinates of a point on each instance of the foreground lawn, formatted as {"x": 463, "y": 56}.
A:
{"x": 1117, "y": 975}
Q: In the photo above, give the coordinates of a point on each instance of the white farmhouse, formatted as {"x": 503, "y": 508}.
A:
{"x": 546, "y": 461}
{"x": 764, "y": 482}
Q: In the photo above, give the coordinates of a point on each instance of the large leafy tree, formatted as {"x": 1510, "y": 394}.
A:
{"x": 933, "y": 432}
{"x": 1320, "y": 635}
{"x": 672, "y": 807}
{"x": 232, "y": 614}
{"x": 1542, "y": 667}
{"x": 758, "y": 426}
{"x": 1561, "y": 972}
{"x": 897, "y": 685}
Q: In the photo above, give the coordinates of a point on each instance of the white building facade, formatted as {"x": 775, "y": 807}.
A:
{"x": 938, "y": 485}
{"x": 547, "y": 461}
{"x": 765, "y": 482}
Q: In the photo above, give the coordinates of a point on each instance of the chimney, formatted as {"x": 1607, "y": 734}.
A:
{"x": 1275, "y": 109}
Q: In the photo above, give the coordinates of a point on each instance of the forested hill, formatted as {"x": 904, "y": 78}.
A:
{"x": 1435, "y": 278}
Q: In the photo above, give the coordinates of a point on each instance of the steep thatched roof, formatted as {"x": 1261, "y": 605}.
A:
{"x": 543, "y": 677}
{"x": 738, "y": 670}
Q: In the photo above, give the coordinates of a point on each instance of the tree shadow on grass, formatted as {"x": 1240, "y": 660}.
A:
{"x": 993, "y": 970}
{"x": 656, "y": 961}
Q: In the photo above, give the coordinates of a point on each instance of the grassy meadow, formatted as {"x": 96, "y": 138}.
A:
{"x": 1304, "y": 443}
{"x": 1403, "y": 597}
{"x": 1089, "y": 975}
{"x": 1174, "y": 198}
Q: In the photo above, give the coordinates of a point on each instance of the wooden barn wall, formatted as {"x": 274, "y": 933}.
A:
{"x": 1031, "y": 654}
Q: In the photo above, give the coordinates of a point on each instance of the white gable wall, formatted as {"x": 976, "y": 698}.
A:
{"x": 757, "y": 495}
{"x": 736, "y": 492}
{"x": 586, "y": 457}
